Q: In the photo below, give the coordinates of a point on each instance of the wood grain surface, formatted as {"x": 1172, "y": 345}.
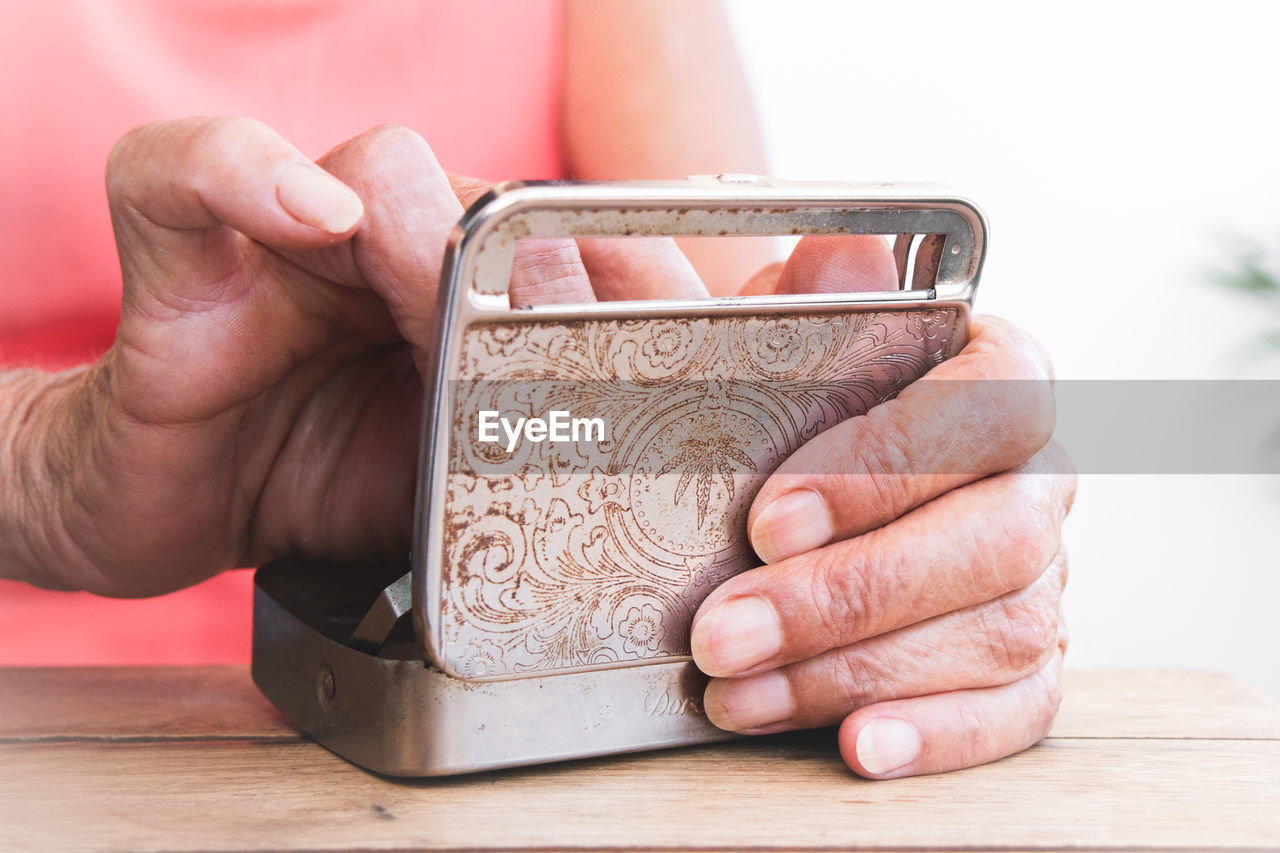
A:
{"x": 195, "y": 759}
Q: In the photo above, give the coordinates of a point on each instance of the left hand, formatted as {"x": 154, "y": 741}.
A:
{"x": 912, "y": 587}
{"x": 263, "y": 394}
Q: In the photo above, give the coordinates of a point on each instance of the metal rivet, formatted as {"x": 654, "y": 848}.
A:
{"x": 326, "y": 688}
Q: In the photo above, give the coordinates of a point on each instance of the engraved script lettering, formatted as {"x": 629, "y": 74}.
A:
{"x": 663, "y": 704}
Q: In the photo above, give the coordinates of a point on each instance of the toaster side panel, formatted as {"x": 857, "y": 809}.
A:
{"x": 596, "y": 551}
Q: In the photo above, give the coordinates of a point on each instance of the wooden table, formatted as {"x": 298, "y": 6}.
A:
{"x": 144, "y": 759}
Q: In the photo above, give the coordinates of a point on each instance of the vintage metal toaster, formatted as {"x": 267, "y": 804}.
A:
{"x": 547, "y": 612}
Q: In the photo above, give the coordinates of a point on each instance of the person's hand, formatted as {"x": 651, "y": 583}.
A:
{"x": 914, "y": 565}
{"x": 262, "y": 397}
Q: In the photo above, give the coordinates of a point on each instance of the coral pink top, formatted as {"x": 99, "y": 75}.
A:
{"x": 480, "y": 81}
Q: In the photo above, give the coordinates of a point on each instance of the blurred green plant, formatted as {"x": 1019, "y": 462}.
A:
{"x": 1255, "y": 274}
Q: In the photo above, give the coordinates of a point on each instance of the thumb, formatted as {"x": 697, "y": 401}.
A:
{"x": 171, "y": 183}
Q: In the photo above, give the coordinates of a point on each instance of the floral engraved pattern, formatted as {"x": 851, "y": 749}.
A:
{"x": 641, "y": 630}
{"x": 497, "y": 339}
{"x": 926, "y": 324}
{"x": 571, "y": 556}
{"x": 481, "y": 659}
{"x": 778, "y": 340}
{"x": 668, "y": 343}
{"x": 603, "y": 489}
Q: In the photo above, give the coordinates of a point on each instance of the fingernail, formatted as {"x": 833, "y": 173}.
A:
{"x": 749, "y": 703}
{"x": 316, "y": 198}
{"x": 735, "y": 636}
{"x": 886, "y": 744}
{"x": 794, "y": 523}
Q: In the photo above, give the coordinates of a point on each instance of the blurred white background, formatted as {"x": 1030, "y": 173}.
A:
{"x": 1118, "y": 151}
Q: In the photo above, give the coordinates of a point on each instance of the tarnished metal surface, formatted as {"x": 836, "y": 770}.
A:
{"x": 403, "y": 717}
{"x": 565, "y": 557}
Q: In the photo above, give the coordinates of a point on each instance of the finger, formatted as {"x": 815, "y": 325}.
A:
{"x": 968, "y": 546}
{"x": 950, "y": 731}
{"x": 467, "y": 189}
{"x": 413, "y": 205}
{"x": 168, "y": 180}
{"x": 410, "y": 211}
{"x": 845, "y": 264}
{"x": 829, "y": 265}
{"x": 993, "y": 643}
{"x": 764, "y": 282}
{"x": 639, "y": 268}
{"x": 542, "y": 271}
{"x": 986, "y": 410}
{"x": 547, "y": 272}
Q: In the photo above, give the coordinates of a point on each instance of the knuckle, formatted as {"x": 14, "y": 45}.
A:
{"x": 1019, "y": 376}
{"x": 1020, "y": 355}
{"x": 1039, "y": 408}
{"x": 205, "y": 140}
{"x": 1055, "y": 461}
{"x": 1021, "y": 413}
{"x": 859, "y": 679}
{"x": 219, "y": 141}
{"x": 882, "y": 450}
{"x": 390, "y": 141}
{"x": 1060, "y": 570}
{"x": 885, "y": 447}
{"x": 1034, "y": 357}
{"x": 223, "y": 136}
{"x": 1021, "y": 632}
{"x": 123, "y": 150}
{"x": 221, "y": 131}
{"x": 129, "y": 150}
{"x": 393, "y": 160}
{"x": 117, "y": 183}
{"x": 841, "y": 597}
{"x": 1030, "y": 532}
{"x": 1045, "y": 359}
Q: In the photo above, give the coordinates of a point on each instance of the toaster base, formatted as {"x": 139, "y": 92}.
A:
{"x": 394, "y": 713}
